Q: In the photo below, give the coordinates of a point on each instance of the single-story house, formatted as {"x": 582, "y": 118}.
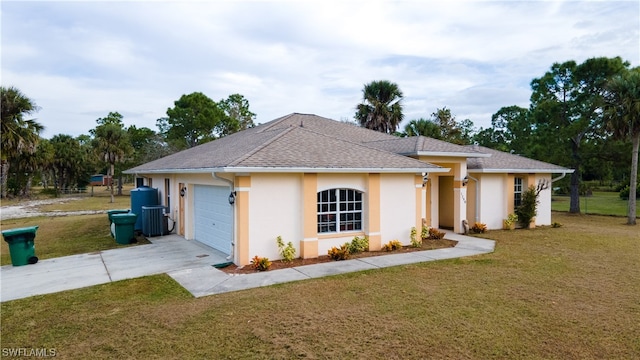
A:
{"x": 318, "y": 183}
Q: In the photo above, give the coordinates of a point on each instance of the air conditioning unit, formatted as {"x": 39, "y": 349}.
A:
{"x": 154, "y": 222}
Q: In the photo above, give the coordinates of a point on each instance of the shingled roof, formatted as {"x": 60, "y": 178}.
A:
{"x": 295, "y": 143}
{"x": 501, "y": 162}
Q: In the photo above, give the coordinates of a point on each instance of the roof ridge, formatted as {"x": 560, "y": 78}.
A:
{"x": 362, "y": 144}
{"x": 262, "y": 146}
{"x": 272, "y": 123}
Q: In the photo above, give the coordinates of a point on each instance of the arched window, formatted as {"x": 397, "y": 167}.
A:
{"x": 339, "y": 210}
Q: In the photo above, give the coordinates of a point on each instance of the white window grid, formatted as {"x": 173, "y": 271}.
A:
{"x": 339, "y": 210}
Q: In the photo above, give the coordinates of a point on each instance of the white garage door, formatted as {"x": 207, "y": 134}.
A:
{"x": 213, "y": 217}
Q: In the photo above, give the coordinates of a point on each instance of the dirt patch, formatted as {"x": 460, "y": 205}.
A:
{"x": 279, "y": 264}
{"x": 30, "y": 209}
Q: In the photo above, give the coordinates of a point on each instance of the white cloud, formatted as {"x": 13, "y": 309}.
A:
{"x": 80, "y": 60}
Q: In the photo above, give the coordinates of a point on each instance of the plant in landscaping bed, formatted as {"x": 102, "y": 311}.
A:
{"x": 288, "y": 252}
{"x": 260, "y": 263}
{"x": 510, "y": 221}
{"x": 415, "y": 242}
{"x": 479, "y": 228}
{"x": 556, "y": 225}
{"x": 424, "y": 233}
{"x": 392, "y": 245}
{"x": 341, "y": 253}
{"x": 434, "y": 234}
{"x": 527, "y": 210}
{"x": 358, "y": 245}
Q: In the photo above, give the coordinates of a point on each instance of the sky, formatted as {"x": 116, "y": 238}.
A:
{"x": 80, "y": 60}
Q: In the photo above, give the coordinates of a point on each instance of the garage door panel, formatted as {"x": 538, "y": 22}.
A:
{"x": 213, "y": 217}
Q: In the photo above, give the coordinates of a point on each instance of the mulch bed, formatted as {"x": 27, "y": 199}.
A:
{"x": 279, "y": 264}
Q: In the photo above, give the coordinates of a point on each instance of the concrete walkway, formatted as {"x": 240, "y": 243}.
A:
{"x": 190, "y": 264}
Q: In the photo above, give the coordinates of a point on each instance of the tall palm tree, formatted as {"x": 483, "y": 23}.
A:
{"x": 381, "y": 108}
{"x": 19, "y": 136}
{"x": 622, "y": 113}
{"x": 112, "y": 144}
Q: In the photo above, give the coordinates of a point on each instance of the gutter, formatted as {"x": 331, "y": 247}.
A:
{"x": 233, "y": 228}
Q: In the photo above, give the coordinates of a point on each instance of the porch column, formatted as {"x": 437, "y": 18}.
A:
{"x": 459, "y": 198}
{"x": 373, "y": 210}
{"x": 241, "y": 248}
{"x": 420, "y": 202}
{"x": 309, "y": 244}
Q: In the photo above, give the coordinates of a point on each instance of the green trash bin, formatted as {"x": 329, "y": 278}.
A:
{"x": 110, "y": 214}
{"x": 124, "y": 227}
{"x": 21, "y": 245}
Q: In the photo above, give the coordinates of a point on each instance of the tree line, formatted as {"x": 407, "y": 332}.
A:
{"x": 582, "y": 116}
{"x": 65, "y": 162}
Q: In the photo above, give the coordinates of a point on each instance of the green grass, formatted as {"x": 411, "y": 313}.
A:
{"x": 65, "y": 235}
{"x": 565, "y": 293}
{"x": 601, "y": 203}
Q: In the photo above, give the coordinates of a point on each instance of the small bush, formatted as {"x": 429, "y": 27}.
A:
{"x": 260, "y": 263}
{"x": 288, "y": 252}
{"x": 434, "y": 234}
{"x": 341, "y": 253}
{"x": 358, "y": 245}
{"x": 479, "y": 228}
{"x": 624, "y": 192}
{"x": 415, "y": 242}
{"x": 528, "y": 208}
{"x": 424, "y": 233}
{"x": 392, "y": 245}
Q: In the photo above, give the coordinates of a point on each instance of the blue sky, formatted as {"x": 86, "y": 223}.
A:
{"x": 80, "y": 60}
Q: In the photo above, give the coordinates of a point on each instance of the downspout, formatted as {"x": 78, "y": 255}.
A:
{"x": 477, "y": 197}
{"x": 559, "y": 178}
{"x": 233, "y": 228}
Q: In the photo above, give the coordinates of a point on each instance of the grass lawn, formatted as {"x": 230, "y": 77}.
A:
{"x": 565, "y": 293}
{"x": 602, "y": 203}
{"x": 69, "y": 235}
{"x": 65, "y": 235}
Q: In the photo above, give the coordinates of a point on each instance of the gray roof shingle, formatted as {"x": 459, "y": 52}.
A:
{"x": 422, "y": 145}
{"x": 295, "y": 141}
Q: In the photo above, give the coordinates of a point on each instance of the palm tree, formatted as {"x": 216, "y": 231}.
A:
{"x": 422, "y": 127}
{"x": 622, "y": 114}
{"x": 381, "y": 109}
{"x": 19, "y": 136}
{"x": 112, "y": 144}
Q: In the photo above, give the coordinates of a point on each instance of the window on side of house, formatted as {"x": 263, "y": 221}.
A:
{"x": 517, "y": 192}
{"x": 339, "y": 210}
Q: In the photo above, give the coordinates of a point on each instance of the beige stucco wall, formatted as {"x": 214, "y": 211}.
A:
{"x": 397, "y": 207}
{"x": 275, "y": 209}
{"x": 544, "y": 207}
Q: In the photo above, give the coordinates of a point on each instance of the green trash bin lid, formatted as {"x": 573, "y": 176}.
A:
{"x": 129, "y": 218}
{"x": 19, "y": 231}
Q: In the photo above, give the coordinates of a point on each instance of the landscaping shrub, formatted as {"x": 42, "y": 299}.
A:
{"x": 341, "y": 253}
{"x": 415, "y": 242}
{"x": 434, "y": 234}
{"x": 479, "y": 228}
{"x": 528, "y": 207}
{"x": 358, "y": 245}
{"x": 287, "y": 252}
{"x": 260, "y": 263}
{"x": 392, "y": 245}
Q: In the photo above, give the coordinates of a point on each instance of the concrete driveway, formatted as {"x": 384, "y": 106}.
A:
{"x": 165, "y": 254}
